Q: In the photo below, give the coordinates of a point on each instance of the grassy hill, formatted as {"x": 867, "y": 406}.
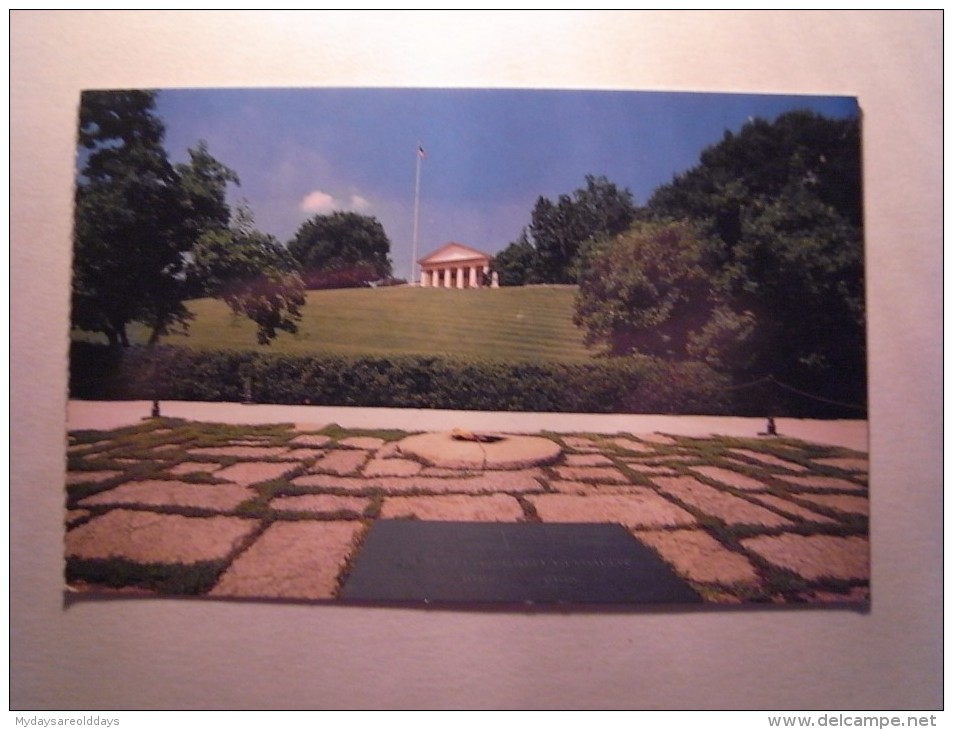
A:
{"x": 511, "y": 324}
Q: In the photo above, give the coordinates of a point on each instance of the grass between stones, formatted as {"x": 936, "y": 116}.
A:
{"x": 152, "y": 449}
{"x": 190, "y": 579}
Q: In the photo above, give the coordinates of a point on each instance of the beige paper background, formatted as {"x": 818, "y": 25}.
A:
{"x": 202, "y": 654}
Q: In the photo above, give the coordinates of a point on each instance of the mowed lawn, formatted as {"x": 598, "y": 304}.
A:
{"x": 510, "y": 323}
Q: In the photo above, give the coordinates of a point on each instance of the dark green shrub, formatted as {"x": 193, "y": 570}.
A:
{"x": 609, "y": 385}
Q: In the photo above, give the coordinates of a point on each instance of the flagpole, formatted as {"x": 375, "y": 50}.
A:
{"x": 413, "y": 260}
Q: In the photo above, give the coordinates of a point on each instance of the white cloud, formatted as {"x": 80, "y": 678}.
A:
{"x": 359, "y": 202}
{"x": 318, "y": 201}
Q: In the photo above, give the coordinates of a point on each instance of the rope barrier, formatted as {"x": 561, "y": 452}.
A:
{"x": 770, "y": 379}
{"x": 818, "y": 398}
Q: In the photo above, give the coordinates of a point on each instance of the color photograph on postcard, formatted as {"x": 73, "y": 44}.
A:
{"x": 468, "y": 347}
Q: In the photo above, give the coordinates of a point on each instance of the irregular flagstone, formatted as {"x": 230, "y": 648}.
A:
{"x": 572, "y": 487}
{"x": 636, "y": 447}
{"x": 671, "y": 458}
{"x": 580, "y": 443}
{"x": 194, "y": 467}
{"x": 729, "y": 477}
{"x": 309, "y": 427}
{"x": 716, "y": 503}
{"x": 253, "y": 472}
{"x": 251, "y": 452}
{"x": 845, "y": 463}
{"x": 582, "y": 485}
{"x": 319, "y": 503}
{"x": 785, "y": 505}
{"x": 698, "y": 556}
{"x": 819, "y": 482}
{"x": 292, "y": 560}
{"x": 88, "y": 477}
{"x": 770, "y": 460}
{"x": 310, "y": 439}
{"x": 341, "y": 461}
{"x": 489, "y": 508}
{"x": 524, "y": 480}
{"x": 644, "y": 468}
{"x": 591, "y": 473}
{"x": 815, "y": 556}
{"x": 644, "y": 508}
{"x": 841, "y": 502}
{"x": 439, "y": 471}
{"x": 587, "y": 460}
{"x": 147, "y": 537}
{"x": 362, "y": 442}
{"x": 303, "y": 454}
{"x": 392, "y": 467}
{"x": 388, "y": 450}
{"x": 221, "y": 497}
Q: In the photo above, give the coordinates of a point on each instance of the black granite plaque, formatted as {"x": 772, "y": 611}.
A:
{"x": 480, "y": 562}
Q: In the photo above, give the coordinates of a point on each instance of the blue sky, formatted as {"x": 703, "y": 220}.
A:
{"x": 489, "y": 153}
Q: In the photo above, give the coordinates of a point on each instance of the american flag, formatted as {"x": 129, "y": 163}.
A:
{"x": 420, "y": 152}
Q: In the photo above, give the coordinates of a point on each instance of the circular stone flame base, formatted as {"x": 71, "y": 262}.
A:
{"x": 502, "y": 452}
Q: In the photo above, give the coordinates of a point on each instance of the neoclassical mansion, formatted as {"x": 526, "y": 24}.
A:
{"x": 456, "y": 266}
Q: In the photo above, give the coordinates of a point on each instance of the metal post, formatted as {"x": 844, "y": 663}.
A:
{"x": 413, "y": 258}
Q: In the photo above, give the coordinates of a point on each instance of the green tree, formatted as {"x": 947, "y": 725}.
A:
{"x": 341, "y": 250}
{"x": 649, "y": 291}
{"x": 778, "y": 214}
{"x": 799, "y": 267}
{"x": 560, "y": 229}
{"x": 129, "y": 236}
{"x": 516, "y": 264}
{"x": 144, "y": 231}
{"x": 783, "y": 204}
{"x": 253, "y": 273}
{"x": 204, "y": 182}
{"x": 763, "y": 163}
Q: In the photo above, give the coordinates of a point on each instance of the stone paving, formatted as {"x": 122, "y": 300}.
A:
{"x": 279, "y": 512}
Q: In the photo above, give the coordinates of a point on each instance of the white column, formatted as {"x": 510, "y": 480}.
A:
{"x": 424, "y": 277}
{"x": 473, "y": 276}
{"x": 459, "y": 277}
{"x": 446, "y": 278}
{"x": 495, "y": 281}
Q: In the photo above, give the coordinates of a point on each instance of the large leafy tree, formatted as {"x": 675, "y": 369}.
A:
{"x": 560, "y": 229}
{"x": 130, "y": 235}
{"x": 204, "y": 182}
{"x": 144, "y": 231}
{"x": 341, "y": 250}
{"x": 777, "y": 210}
{"x": 548, "y": 250}
{"x": 516, "y": 264}
{"x": 253, "y": 273}
{"x": 649, "y": 290}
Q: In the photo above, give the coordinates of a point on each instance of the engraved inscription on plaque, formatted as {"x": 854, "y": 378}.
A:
{"x": 418, "y": 561}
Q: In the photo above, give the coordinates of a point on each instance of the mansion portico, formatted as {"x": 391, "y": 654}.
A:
{"x": 455, "y": 266}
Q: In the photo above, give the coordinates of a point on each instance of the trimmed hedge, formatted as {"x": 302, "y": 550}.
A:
{"x": 629, "y": 385}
